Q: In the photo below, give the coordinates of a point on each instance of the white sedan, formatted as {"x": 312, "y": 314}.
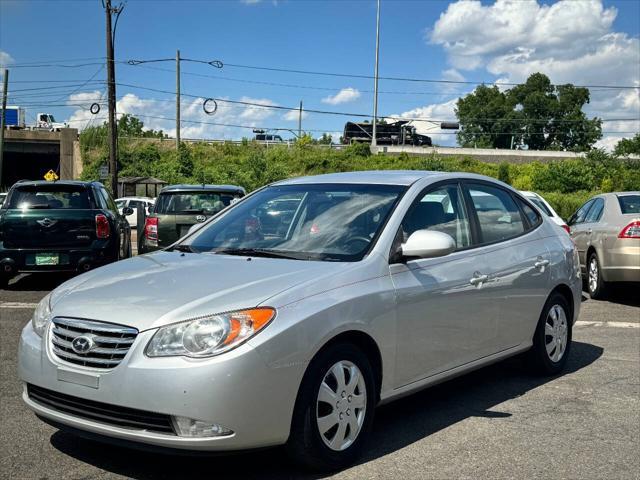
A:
{"x": 547, "y": 209}
{"x": 134, "y": 203}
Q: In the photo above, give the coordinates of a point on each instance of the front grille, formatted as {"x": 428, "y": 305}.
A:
{"x": 101, "y": 412}
{"x": 109, "y": 343}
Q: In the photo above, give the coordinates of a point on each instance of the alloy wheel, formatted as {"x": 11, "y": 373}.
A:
{"x": 341, "y": 405}
{"x": 593, "y": 275}
{"x": 556, "y": 332}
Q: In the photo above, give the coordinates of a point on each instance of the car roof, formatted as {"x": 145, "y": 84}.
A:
{"x": 380, "y": 177}
{"x": 203, "y": 188}
{"x": 36, "y": 183}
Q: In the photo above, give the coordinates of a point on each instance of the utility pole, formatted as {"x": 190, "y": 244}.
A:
{"x": 300, "y": 121}
{"x": 374, "y": 140}
{"x": 111, "y": 87}
{"x": 3, "y": 120}
{"x": 177, "y": 100}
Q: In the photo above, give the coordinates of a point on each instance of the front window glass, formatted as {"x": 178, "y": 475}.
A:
{"x": 190, "y": 203}
{"x": 595, "y": 212}
{"x": 441, "y": 210}
{"x": 498, "y": 214}
{"x": 305, "y": 222}
{"x": 629, "y": 203}
{"x": 54, "y": 197}
{"x": 580, "y": 215}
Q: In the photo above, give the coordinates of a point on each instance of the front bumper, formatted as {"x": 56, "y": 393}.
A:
{"x": 236, "y": 390}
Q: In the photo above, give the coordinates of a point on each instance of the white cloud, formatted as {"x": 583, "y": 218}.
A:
{"x": 159, "y": 115}
{"x": 250, "y": 2}
{"x": 5, "y": 58}
{"x": 569, "y": 41}
{"x": 343, "y": 96}
{"x": 292, "y": 115}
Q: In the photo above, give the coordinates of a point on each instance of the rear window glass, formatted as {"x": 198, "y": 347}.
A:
{"x": 540, "y": 204}
{"x": 53, "y": 197}
{"x": 629, "y": 203}
{"x": 189, "y": 203}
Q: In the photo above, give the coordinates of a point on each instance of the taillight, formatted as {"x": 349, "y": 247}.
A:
{"x": 151, "y": 231}
{"x": 631, "y": 231}
{"x": 103, "y": 230}
{"x": 566, "y": 228}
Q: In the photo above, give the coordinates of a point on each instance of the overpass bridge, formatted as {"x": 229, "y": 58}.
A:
{"x": 29, "y": 154}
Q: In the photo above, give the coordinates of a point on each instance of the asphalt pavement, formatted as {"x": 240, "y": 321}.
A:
{"x": 498, "y": 422}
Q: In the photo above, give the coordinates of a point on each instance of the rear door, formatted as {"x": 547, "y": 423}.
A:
{"x": 48, "y": 216}
{"x": 516, "y": 258}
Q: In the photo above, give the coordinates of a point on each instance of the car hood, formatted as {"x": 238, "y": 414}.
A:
{"x": 166, "y": 287}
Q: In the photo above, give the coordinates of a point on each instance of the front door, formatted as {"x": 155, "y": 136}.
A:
{"x": 446, "y": 316}
{"x": 580, "y": 231}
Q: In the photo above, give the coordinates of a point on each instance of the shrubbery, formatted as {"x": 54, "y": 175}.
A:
{"x": 565, "y": 184}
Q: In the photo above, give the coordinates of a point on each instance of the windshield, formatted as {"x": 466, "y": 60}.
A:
{"x": 629, "y": 203}
{"x": 52, "y": 197}
{"x": 306, "y": 222}
{"x": 193, "y": 202}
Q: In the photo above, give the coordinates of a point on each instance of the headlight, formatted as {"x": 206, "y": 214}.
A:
{"x": 42, "y": 315}
{"x": 208, "y": 336}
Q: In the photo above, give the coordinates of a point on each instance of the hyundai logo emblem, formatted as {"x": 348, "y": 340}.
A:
{"x": 47, "y": 222}
{"x": 82, "y": 344}
{"x": 201, "y": 218}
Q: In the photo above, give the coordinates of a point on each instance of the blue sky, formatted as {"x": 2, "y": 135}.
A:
{"x": 583, "y": 42}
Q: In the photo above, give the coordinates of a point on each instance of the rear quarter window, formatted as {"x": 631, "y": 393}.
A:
{"x": 629, "y": 203}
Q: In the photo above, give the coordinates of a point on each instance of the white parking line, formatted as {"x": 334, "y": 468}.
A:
{"x": 581, "y": 323}
{"x": 18, "y": 305}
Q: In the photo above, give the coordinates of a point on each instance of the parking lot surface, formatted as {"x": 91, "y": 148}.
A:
{"x": 498, "y": 422}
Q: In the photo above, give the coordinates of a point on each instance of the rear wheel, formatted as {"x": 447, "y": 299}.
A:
{"x": 552, "y": 339}
{"x": 334, "y": 409}
{"x": 4, "y": 281}
{"x": 595, "y": 282}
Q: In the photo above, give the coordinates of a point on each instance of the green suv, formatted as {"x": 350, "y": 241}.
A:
{"x": 179, "y": 207}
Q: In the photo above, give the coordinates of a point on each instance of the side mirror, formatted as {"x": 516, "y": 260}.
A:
{"x": 150, "y": 209}
{"x": 428, "y": 244}
{"x": 126, "y": 211}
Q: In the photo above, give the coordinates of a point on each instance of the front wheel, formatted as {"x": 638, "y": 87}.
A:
{"x": 334, "y": 409}
{"x": 552, "y": 338}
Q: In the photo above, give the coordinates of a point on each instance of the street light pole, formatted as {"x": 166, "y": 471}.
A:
{"x": 177, "y": 100}
{"x": 5, "y": 85}
{"x": 300, "y": 121}
{"x": 111, "y": 88}
{"x": 374, "y": 140}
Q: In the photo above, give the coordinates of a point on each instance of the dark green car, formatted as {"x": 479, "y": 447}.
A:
{"x": 179, "y": 207}
{"x": 60, "y": 226}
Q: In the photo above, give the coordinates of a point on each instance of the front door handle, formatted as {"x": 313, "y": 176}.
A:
{"x": 541, "y": 263}
{"x": 478, "y": 279}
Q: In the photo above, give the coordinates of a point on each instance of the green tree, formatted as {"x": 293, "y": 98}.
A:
{"x": 628, "y": 146}
{"x": 536, "y": 115}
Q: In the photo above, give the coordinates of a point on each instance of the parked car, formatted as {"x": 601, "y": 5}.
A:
{"x": 383, "y": 283}
{"x": 134, "y": 203}
{"x": 60, "y": 226}
{"x": 606, "y": 230}
{"x": 178, "y": 207}
{"x": 547, "y": 209}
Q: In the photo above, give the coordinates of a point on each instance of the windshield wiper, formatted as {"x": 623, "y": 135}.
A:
{"x": 257, "y": 252}
{"x": 183, "y": 248}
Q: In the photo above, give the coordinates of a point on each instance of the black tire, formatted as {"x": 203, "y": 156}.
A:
{"x": 598, "y": 286}
{"x": 305, "y": 445}
{"x": 4, "y": 281}
{"x": 539, "y": 360}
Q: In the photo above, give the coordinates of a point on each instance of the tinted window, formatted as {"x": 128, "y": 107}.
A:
{"x": 580, "y": 214}
{"x": 189, "y": 203}
{"x": 529, "y": 212}
{"x": 498, "y": 214}
{"x": 540, "y": 204}
{"x": 629, "y": 203}
{"x": 595, "y": 212}
{"x": 441, "y": 210}
{"x": 54, "y": 196}
{"x": 304, "y": 222}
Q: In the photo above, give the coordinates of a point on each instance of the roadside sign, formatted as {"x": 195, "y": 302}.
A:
{"x": 104, "y": 172}
{"x": 51, "y": 176}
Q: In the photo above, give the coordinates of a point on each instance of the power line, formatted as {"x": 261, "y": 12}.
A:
{"x": 71, "y": 85}
{"x": 65, "y": 60}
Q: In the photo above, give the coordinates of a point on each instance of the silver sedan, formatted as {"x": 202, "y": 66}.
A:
{"x": 290, "y": 316}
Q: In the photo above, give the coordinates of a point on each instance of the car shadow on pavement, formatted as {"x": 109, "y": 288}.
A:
{"x": 624, "y": 294}
{"x": 38, "y": 282}
{"x": 396, "y": 426}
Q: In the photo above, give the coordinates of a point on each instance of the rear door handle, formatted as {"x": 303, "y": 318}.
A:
{"x": 478, "y": 279}
{"x": 541, "y": 263}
